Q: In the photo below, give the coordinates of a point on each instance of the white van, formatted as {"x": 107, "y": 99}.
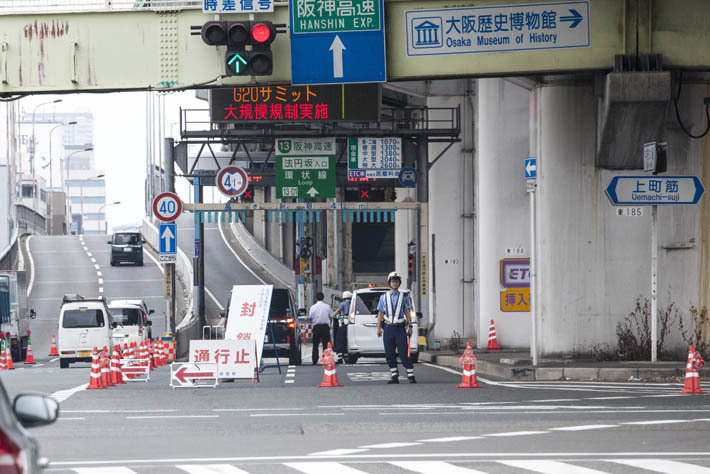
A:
{"x": 84, "y": 323}
{"x": 132, "y": 323}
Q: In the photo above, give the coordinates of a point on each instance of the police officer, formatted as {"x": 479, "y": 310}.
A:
{"x": 320, "y": 314}
{"x": 340, "y": 326}
{"x": 394, "y": 312}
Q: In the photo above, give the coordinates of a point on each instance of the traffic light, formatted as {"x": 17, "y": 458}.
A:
{"x": 411, "y": 264}
{"x": 306, "y": 243}
{"x": 248, "y": 45}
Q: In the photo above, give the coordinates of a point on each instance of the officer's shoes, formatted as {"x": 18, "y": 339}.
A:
{"x": 393, "y": 380}
{"x": 412, "y": 379}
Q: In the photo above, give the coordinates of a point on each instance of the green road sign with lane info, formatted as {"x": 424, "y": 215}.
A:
{"x": 335, "y": 16}
{"x": 305, "y": 168}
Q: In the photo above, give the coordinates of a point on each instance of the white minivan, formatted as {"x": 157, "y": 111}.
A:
{"x": 84, "y": 323}
{"x": 132, "y": 323}
{"x": 362, "y": 326}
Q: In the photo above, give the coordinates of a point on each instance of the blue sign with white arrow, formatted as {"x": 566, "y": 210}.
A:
{"x": 530, "y": 168}
{"x": 167, "y": 238}
{"x": 648, "y": 191}
{"x": 339, "y": 45}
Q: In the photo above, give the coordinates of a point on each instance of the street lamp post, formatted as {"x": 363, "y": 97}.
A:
{"x": 81, "y": 198}
{"x": 32, "y": 155}
{"x": 67, "y": 164}
{"x": 98, "y": 222}
{"x": 51, "y": 185}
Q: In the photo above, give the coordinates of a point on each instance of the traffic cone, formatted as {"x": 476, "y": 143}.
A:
{"x": 95, "y": 380}
{"x": 692, "y": 378}
{"x": 105, "y": 364}
{"x": 492, "y": 339}
{"x": 116, "y": 375}
{"x": 53, "y": 347}
{"x": 468, "y": 360}
{"x": 8, "y": 356}
{"x": 3, "y": 362}
{"x": 330, "y": 377}
{"x": 29, "y": 358}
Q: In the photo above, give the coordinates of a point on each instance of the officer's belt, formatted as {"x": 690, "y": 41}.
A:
{"x": 396, "y": 325}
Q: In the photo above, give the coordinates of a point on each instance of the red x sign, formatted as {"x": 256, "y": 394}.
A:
{"x": 363, "y": 194}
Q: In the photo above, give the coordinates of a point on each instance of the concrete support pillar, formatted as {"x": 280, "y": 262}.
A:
{"x": 260, "y": 217}
{"x": 501, "y": 203}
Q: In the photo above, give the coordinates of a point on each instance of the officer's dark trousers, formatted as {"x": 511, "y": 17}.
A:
{"x": 341, "y": 339}
{"x": 395, "y": 338}
{"x": 321, "y": 334}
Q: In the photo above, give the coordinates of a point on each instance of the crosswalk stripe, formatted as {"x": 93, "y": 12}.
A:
{"x": 211, "y": 469}
{"x": 665, "y": 466}
{"x": 434, "y": 467}
{"x": 551, "y": 467}
{"x": 323, "y": 468}
{"x": 104, "y": 470}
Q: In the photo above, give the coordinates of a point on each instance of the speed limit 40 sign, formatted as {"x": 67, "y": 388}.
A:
{"x": 167, "y": 206}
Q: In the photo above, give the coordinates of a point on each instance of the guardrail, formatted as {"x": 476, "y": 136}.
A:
{"x": 9, "y": 255}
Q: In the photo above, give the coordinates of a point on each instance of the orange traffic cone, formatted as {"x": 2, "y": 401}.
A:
{"x": 330, "y": 377}
{"x": 8, "y": 356}
{"x": 3, "y": 362}
{"x": 116, "y": 375}
{"x": 692, "y": 378}
{"x": 53, "y": 347}
{"x": 95, "y": 380}
{"x": 492, "y": 339}
{"x": 29, "y": 358}
{"x": 468, "y": 360}
{"x": 105, "y": 364}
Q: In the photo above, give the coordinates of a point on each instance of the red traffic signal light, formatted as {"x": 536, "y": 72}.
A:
{"x": 262, "y": 33}
{"x": 238, "y": 33}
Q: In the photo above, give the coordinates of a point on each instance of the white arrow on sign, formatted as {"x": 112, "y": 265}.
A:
{"x": 530, "y": 168}
{"x": 312, "y": 192}
{"x": 167, "y": 236}
{"x": 337, "y": 48}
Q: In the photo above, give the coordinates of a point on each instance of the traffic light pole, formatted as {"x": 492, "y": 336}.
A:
{"x": 198, "y": 263}
{"x": 168, "y": 147}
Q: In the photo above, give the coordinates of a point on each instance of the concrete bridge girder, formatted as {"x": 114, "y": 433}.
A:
{"x": 148, "y": 48}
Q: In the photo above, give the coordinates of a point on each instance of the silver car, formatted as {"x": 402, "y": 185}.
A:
{"x": 362, "y": 327}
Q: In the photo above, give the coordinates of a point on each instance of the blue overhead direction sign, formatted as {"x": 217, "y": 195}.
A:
{"x": 338, "y": 45}
{"x": 656, "y": 190}
{"x": 497, "y": 28}
{"x": 530, "y": 168}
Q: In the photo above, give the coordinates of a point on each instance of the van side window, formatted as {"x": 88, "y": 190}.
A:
{"x": 88, "y": 318}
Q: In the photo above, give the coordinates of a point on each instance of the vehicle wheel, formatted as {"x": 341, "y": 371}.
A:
{"x": 15, "y": 353}
{"x": 295, "y": 357}
{"x": 113, "y": 264}
{"x": 415, "y": 358}
{"x": 63, "y": 364}
{"x": 140, "y": 262}
{"x": 351, "y": 358}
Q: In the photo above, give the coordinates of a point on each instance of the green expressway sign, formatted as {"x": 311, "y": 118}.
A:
{"x": 335, "y": 16}
{"x": 305, "y": 168}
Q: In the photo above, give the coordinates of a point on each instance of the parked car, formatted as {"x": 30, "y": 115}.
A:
{"x": 362, "y": 327}
{"x": 19, "y": 452}
{"x": 84, "y": 323}
{"x": 14, "y": 314}
{"x": 126, "y": 247}
{"x": 132, "y": 323}
{"x": 282, "y": 321}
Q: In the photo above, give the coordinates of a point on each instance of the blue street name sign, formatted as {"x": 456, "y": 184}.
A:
{"x": 339, "y": 45}
{"x": 530, "y": 168}
{"x": 648, "y": 191}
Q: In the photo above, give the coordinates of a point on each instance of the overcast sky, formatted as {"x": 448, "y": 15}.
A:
{"x": 119, "y": 141}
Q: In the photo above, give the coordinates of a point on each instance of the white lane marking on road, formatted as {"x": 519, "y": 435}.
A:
{"x": 663, "y": 465}
{"x": 97, "y": 267}
{"x": 32, "y": 266}
{"x": 65, "y": 418}
{"x": 434, "y": 467}
{"x": 101, "y": 290}
{"x": 388, "y": 445}
{"x": 517, "y": 433}
{"x": 449, "y": 439}
{"x": 226, "y": 242}
{"x": 606, "y": 398}
{"x": 290, "y": 375}
{"x": 157, "y": 263}
{"x": 211, "y": 469}
{"x": 297, "y": 414}
{"x": 583, "y": 427}
{"x": 144, "y": 417}
{"x": 101, "y": 281}
{"x": 553, "y": 401}
{"x": 104, "y": 470}
{"x": 119, "y": 411}
{"x": 292, "y": 367}
{"x": 551, "y": 467}
{"x": 257, "y": 409}
{"x": 322, "y": 468}
{"x": 656, "y": 422}
{"x": 89, "y": 254}
{"x": 62, "y": 395}
{"x": 289, "y": 381}
{"x": 338, "y": 452}
{"x": 214, "y": 299}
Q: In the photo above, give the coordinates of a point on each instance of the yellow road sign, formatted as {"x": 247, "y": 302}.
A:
{"x": 515, "y": 300}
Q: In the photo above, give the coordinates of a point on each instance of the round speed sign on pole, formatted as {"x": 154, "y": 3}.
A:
{"x": 232, "y": 181}
{"x": 167, "y": 206}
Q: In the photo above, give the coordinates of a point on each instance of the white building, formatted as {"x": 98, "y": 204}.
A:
{"x": 86, "y": 192}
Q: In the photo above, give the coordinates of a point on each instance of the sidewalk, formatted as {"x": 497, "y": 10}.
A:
{"x": 517, "y": 365}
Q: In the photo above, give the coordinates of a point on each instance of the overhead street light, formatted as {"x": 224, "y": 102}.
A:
{"x": 73, "y": 122}
{"x": 81, "y": 197}
{"x": 67, "y": 163}
{"x": 98, "y": 224}
{"x": 32, "y": 155}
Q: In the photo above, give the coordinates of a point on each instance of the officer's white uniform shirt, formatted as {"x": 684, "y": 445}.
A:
{"x": 320, "y": 313}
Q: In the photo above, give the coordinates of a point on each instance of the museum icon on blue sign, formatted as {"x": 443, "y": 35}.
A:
{"x": 427, "y": 32}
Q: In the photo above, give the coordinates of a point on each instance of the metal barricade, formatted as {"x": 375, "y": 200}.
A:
{"x": 213, "y": 332}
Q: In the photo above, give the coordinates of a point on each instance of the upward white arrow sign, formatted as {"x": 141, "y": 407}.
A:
{"x": 312, "y": 192}
{"x": 337, "y": 48}
{"x": 167, "y": 236}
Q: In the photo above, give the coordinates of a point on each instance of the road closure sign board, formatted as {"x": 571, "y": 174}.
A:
{"x": 233, "y": 358}
{"x": 248, "y": 314}
{"x": 193, "y": 375}
{"x": 305, "y": 168}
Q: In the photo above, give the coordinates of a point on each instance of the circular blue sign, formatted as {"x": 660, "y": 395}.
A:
{"x": 408, "y": 177}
